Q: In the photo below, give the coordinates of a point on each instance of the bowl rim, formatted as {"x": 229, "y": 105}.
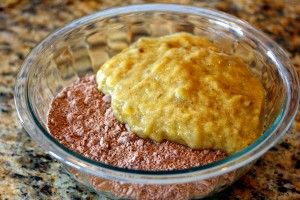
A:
{"x": 232, "y": 162}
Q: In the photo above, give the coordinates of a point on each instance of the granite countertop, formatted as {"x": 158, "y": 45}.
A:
{"x": 27, "y": 172}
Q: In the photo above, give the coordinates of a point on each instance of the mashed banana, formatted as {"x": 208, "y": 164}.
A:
{"x": 183, "y": 89}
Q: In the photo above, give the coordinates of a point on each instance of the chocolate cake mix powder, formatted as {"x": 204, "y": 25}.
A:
{"x": 80, "y": 117}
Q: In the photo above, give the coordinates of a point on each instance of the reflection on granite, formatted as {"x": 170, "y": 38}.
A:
{"x": 26, "y": 172}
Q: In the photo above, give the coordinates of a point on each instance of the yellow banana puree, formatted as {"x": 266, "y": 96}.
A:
{"x": 182, "y": 88}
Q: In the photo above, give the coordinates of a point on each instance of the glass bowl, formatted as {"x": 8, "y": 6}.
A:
{"x": 82, "y": 46}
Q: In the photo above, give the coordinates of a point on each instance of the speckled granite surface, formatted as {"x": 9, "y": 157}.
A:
{"x": 26, "y": 172}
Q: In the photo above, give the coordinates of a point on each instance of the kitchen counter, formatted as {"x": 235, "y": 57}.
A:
{"x": 27, "y": 172}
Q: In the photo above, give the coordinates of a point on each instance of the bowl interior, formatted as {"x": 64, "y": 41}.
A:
{"x": 85, "y": 48}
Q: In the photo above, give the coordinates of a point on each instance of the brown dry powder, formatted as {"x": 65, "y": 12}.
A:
{"x": 80, "y": 117}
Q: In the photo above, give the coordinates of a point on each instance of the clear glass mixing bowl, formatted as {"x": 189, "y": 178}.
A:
{"x": 81, "y": 47}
